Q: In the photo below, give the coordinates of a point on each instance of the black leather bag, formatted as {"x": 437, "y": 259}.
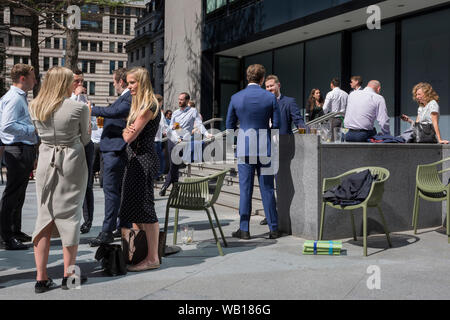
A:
{"x": 111, "y": 258}
{"x": 424, "y": 133}
{"x": 134, "y": 244}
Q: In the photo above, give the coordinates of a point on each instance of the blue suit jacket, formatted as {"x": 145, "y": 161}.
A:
{"x": 253, "y": 107}
{"x": 115, "y": 121}
{"x": 289, "y": 113}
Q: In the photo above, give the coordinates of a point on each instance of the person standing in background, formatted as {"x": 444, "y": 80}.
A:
{"x": 18, "y": 134}
{"x": 162, "y": 132}
{"x": 113, "y": 149}
{"x": 79, "y": 95}
{"x": 336, "y": 101}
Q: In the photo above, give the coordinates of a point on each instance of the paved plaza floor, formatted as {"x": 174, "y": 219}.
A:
{"x": 417, "y": 267}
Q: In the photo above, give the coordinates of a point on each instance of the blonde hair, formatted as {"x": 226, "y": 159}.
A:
{"x": 56, "y": 85}
{"x": 145, "y": 98}
{"x": 428, "y": 91}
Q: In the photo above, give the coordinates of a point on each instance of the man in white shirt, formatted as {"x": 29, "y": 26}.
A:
{"x": 336, "y": 101}
{"x": 185, "y": 118}
{"x": 356, "y": 83}
{"x": 364, "y": 107}
{"x": 162, "y": 131}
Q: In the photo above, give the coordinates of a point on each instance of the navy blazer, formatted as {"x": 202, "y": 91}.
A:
{"x": 115, "y": 121}
{"x": 253, "y": 107}
{"x": 290, "y": 112}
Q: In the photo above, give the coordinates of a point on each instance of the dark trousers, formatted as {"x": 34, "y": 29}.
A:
{"x": 97, "y": 165}
{"x": 113, "y": 169}
{"x": 266, "y": 186}
{"x": 19, "y": 161}
{"x": 88, "y": 205}
{"x": 173, "y": 174}
{"x": 359, "y": 136}
{"x": 159, "y": 152}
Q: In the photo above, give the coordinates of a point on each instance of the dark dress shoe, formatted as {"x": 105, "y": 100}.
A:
{"x": 117, "y": 234}
{"x": 244, "y": 235}
{"x": 162, "y": 193}
{"x": 263, "y": 222}
{"x": 22, "y": 237}
{"x": 85, "y": 228}
{"x": 64, "y": 286}
{"x": 44, "y": 286}
{"x": 274, "y": 234}
{"x": 103, "y": 237}
{"x": 15, "y": 244}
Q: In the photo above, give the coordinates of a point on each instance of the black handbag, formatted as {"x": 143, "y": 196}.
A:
{"x": 111, "y": 258}
{"x": 134, "y": 244}
{"x": 424, "y": 133}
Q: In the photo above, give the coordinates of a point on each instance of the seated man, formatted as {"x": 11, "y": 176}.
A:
{"x": 364, "y": 106}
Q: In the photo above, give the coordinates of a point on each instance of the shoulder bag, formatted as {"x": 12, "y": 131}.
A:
{"x": 424, "y": 133}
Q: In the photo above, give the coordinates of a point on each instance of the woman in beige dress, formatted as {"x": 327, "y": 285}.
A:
{"x": 61, "y": 176}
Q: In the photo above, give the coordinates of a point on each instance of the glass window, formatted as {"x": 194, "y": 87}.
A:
{"x": 127, "y": 11}
{"x": 92, "y": 66}
{"x": 64, "y": 42}
{"x": 131, "y": 56}
{"x": 322, "y": 63}
{"x": 112, "y": 46}
{"x": 84, "y": 45}
{"x": 25, "y": 60}
{"x": 120, "y": 63}
{"x": 119, "y": 26}
{"x": 17, "y": 41}
{"x": 46, "y": 63}
{"x": 93, "y": 46}
{"x": 112, "y": 67}
{"x": 55, "y": 62}
{"x": 112, "y": 90}
{"x": 112, "y": 25}
{"x": 229, "y": 69}
{"x": 27, "y": 42}
{"x": 119, "y": 10}
{"x": 56, "y": 43}
{"x": 288, "y": 66}
{"x": 84, "y": 66}
{"x": 425, "y": 52}
{"x": 91, "y": 88}
{"x": 100, "y": 46}
{"x": 143, "y": 52}
{"x": 16, "y": 59}
{"x": 48, "y": 43}
{"x": 376, "y": 45}
{"x": 137, "y": 54}
{"x": 127, "y": 27}
{"x": 120, "y": 47}
{"x": 63, "y": 61}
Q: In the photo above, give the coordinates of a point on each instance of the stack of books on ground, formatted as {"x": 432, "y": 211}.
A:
{"x": 329, "y": 248}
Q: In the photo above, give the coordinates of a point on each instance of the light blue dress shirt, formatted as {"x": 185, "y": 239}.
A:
{"x": 15, "y": 120}
{"x": 187, "y": 118}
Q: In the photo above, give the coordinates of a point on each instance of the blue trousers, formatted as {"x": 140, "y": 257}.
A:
{"x": 159, "y": 152}
{"x": 113, "y": 169}
{"x": 266, "y": 186}
{"x": 359, "y": 136}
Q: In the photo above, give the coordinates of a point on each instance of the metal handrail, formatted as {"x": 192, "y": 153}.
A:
{"x": 322, "y": 119}
{"x": 204, "y": 124}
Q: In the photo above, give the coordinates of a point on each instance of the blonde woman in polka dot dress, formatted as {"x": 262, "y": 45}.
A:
{"x": 137, "y": 205}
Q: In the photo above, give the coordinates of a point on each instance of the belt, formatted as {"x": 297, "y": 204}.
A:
{"x": 360, "y": 130}
{"x": 18, "y": 144}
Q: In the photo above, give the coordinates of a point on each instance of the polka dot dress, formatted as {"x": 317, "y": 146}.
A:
{"x": 137, "y": 203}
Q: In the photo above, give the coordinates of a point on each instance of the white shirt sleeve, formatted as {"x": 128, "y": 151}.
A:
{"x": 327, "y": 103}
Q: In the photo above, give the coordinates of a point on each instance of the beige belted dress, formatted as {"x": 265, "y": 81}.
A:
{"x": 61, "y": 174}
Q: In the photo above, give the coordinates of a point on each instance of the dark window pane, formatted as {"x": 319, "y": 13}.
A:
{"x": 112, "y": 91}
{"x": 55, "y": 62}
{"x": 92, "y": 66}
{"x": 91, "y": 88}
{"x": 56, "y": 43}
{"x": 46, "y": 63}
{"x": 112, "y": 67}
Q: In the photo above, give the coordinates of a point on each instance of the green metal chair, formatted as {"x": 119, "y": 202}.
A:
{"x": 373, "y": 200}
{"x": 193, "y": 194}
{"x": 429, "y": 187}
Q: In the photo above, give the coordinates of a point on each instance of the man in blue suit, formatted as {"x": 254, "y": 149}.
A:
{"x": 114, "y": 155}
{"x": 289, "y": 110}
{"x": 254, "y": 108}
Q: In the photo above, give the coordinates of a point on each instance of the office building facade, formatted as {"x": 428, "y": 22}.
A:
{"x": 102, "y": 38}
